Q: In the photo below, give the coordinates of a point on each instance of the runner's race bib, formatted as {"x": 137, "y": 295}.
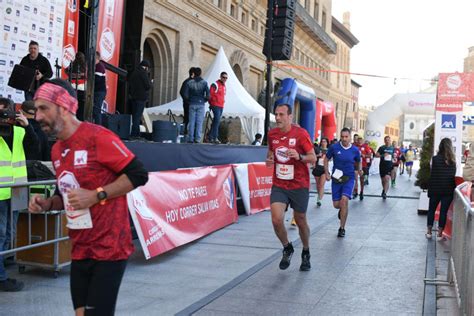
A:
{"x": 321, "y": 162}
{"x": 367, "y": 160}
{"x": 77, "y": 219}
{"x": 388, "y": 158}
{"x": 285, "y": 172}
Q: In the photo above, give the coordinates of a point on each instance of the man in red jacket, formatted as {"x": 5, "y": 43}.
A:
{"x": 216, "y": 102}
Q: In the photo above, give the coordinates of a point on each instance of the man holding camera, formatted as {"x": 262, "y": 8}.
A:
{"x": 13, "y": 139}
{"x": 40, "y": 64}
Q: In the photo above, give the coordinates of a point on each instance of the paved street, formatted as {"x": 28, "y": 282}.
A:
{"x": 377, "y": 269}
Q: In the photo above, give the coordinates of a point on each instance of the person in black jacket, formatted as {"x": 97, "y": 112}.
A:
{"x": 185, "y": 103}
{"x": 40, "y": 64}
{"x": 44, "y": 153}
{"x": 441, "y": 185}
{"x": 139, "y": 85}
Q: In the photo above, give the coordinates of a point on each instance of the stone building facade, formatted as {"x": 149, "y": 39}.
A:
{"x": 179, "y": 34}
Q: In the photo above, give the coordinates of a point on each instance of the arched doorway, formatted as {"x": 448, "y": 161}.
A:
{"x": 148, "y": 55}
{"x": 157, "y": 50}
{"x": 238, "y": 73}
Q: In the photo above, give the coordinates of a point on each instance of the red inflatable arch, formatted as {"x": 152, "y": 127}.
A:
{"x": 325, "y": 120}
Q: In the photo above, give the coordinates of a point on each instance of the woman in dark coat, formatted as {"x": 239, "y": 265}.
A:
{"x": 441, "y": 185}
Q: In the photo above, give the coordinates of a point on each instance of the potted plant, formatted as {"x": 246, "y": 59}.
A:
{"x": 423, "y": 175}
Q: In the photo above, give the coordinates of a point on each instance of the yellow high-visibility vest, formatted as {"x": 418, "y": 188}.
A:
{"x": 12, "y": 164}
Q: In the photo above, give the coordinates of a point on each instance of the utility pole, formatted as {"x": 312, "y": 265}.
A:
{"x": 90, "y": 58}
{"x": 268, "y": 96}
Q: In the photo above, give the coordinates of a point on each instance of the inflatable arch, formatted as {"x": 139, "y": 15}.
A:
{"x": 325, "y": 120}
{"x": 302, "y": 99}
{"x": 398, "y": 104}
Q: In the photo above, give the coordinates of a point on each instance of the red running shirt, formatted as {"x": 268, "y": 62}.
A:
{"x": 289, "y": 173}
{"x": 365, "y": 154}
{"x": 93, "y": 157}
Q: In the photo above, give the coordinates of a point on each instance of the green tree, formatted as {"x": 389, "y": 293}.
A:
{"x": 423, "y": 175}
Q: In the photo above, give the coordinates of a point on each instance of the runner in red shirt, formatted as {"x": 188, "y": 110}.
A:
{"x": 397, "y": 153}
{"x": 366, "y": 158}
{"x": 290, "y": 150}
{"x": 94, "y": 171}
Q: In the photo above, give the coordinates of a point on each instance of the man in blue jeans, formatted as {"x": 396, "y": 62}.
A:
{"x": 216, "y": 104}
{"x": 196, "y": 93}
{"x": 140, "y": 85}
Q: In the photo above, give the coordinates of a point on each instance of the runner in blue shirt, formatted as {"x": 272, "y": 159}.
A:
{"x": 344, "y": 155}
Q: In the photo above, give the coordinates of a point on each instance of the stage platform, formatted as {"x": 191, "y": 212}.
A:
{"x": 171, "y": 156}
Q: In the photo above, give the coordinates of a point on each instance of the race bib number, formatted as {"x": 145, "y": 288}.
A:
{"x": 321, "y": 162}
{"x": 285, "y": 172}
{"x": 76, "y": 219}
{"x": 337, "y": 174}
{"x": 80, "y": 219}
{"x": 367, "y": 160}
{"x": 388, "y": 158}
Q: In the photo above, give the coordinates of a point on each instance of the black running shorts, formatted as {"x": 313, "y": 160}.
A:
{"x": 297, "y": 199}
{"x": 95, "y": 285}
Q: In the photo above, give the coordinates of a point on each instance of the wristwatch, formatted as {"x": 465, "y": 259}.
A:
{"x": 101, "y": 196}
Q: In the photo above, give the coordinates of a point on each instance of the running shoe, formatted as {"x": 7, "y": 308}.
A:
{"x": 287, "y": 254}
{"x": 318, "y": 204}
{"x": 361, "y": 196}
{"x": 305, "y": 264}
{"x": 354, "y": 195}
{"x": 341, "y": 232}
{"x": 384, "y": 196}
{"x": 293, "y": 222}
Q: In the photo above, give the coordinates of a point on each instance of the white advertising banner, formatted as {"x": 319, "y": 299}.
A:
{"x": 22, "y": 21}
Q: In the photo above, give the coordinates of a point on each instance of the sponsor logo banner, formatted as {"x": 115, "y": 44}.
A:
{"x": 177, "y": 207}
{"x": 456, "y": 87}
{"x": 255, "y": 184}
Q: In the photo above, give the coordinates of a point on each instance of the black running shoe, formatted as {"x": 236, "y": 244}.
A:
{"x": 287, "y": 254}
{"x": 305, "y": 264}
{"x": 354, "y": 195}
{"x": 341, "y": 232}
{"x": 384, "y": 196}
{"x": 361, "y": 196}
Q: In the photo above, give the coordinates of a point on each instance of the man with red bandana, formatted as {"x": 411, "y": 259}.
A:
{"x": 94, "y": 171}
{"x": 290, "y": 150}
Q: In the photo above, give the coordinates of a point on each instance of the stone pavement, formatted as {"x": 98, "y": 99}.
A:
{"x": 378, "y": 268}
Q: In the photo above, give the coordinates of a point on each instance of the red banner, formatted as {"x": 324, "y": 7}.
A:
{"x": 109, "y": 35}
{"x": 449, "y": 106}
{"x": 456, "y": 87}
{"x": 260, "y": 186}
{"x": 70, "y": 37}
{"x": 177, "y": 207}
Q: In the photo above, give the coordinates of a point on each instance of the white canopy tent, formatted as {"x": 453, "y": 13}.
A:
{"x": 238, "y": 102}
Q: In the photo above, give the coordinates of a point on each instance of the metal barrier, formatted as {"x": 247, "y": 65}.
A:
{"x": 19, "y": 204}
{"x": 461, "y": 263}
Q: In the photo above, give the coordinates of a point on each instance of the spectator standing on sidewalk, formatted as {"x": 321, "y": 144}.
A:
{"x": 216, "y": 104}
{"x": 94, "y": 171}
{"x": 441, "y": 185}
{"x": 345, "y": 156}
{"x": 140, "y": 86}
{"x": 290, "y": 150}
{"x": 196, "y": 93}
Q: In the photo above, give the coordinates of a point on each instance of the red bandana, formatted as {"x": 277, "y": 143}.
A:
{"x": 57, "y": 95}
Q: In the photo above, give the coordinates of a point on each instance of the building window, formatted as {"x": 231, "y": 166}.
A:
{"x": 220, "y": 4}
{"x": 243, "y": 18}
{"x": 254, "y": 25}
{"x": 353, "y": 107}
{"x": 412, "y": 125}
{"x": 316, "y": 11}
{"x": 323, "y": 20}
{"x": 262, "y": 30}
{"x": 233, "y": 11}
{"x": 387, "y": 130}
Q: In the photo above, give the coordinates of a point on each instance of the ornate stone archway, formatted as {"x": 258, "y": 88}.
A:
{"x": 239, "y": 62}
{"x": 157, "y": 50}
